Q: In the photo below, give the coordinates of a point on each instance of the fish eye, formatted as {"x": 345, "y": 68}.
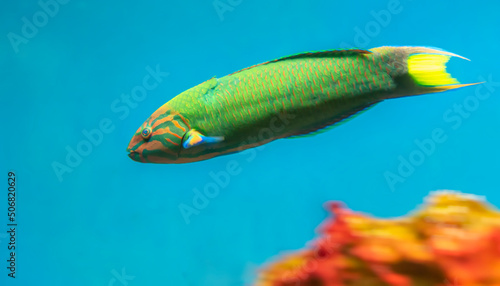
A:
{"x": 146, "y": 133}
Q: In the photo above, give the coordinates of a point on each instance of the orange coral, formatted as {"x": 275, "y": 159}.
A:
{"x": 454, "y": 239}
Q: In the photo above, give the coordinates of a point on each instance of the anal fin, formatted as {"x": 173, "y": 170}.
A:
{"x": 333, "y": 123}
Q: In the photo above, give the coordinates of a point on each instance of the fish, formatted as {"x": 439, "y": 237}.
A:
{"x": 289, "y": 97}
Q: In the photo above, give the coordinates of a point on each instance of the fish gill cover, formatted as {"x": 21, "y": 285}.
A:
{"x": 453, "y": 239}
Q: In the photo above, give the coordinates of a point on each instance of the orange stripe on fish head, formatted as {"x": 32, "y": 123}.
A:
{"x": 159, "y": 139}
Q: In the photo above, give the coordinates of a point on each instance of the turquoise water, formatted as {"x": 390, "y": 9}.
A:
{"x": 103, "y": 219}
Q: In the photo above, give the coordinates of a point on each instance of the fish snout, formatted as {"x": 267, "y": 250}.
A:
{"x": 134, "y": 155}
{"x": 132, "y": 151}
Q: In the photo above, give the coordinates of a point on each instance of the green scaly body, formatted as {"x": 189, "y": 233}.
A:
{"x": 287, "y": 97}
{"x": 311, "y": 92}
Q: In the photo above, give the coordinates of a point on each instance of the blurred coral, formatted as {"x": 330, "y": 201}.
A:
{"x": 452, "y": 240}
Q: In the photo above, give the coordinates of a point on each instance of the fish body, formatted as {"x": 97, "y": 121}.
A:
{"x": 291, "y": 96}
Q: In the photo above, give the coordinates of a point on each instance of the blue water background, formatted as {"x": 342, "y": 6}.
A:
{"x": 112, "y": 216}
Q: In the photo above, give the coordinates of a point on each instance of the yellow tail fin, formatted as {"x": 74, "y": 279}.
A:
{"x": 429, "y": 70}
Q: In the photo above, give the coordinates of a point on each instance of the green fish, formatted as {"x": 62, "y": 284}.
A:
{"x": 291, "y": 96}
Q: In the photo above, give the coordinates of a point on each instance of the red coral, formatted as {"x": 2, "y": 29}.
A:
{"x": 452, "y": 240}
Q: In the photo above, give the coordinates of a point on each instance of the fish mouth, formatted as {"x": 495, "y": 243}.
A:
{"x": 134, "y": 155}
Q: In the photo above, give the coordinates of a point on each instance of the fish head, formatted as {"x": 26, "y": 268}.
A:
{"x": 159, "y": 138}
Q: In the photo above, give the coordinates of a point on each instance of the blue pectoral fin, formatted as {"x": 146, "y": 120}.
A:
{"x": 214, "y": 139}
{"x": 195, "y": 138}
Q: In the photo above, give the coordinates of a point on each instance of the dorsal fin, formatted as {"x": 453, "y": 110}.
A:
{"x": 207, "y": 85}
{"x": 327, "y": 53}
{"x": 202, "y": 88}
{"x": 336, "y": 122}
